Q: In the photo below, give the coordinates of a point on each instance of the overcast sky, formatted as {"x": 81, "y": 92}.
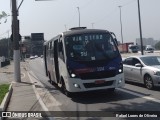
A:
{"x": 53, "y": 17}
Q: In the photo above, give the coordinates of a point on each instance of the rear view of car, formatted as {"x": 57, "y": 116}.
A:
{"x": 149, "y": 49}
{"x": 32, "y": 57}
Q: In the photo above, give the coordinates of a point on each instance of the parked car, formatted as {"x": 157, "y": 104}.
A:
{"x": 32, "y": 57}
{"x": 36, "y": 56}
{"x": 41, "y": 56}
{"x": 143, "y": 69}
{"x": 150, "y": 50}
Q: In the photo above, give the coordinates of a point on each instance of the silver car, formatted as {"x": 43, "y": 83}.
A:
{"x": 143, "y": 69}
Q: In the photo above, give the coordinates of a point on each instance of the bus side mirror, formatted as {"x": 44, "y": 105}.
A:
{"x": 115, "y": 39}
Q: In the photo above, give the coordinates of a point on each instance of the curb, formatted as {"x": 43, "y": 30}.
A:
{"x": 44, "y": 107}
{"x": 6, "y": 100}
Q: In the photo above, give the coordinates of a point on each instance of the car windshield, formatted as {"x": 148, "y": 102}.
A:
{"x": 134, "y": 47}
{"x": 88, "y": 47}
{"x": 150, "y": 49}
{"x": 151, "y": 60}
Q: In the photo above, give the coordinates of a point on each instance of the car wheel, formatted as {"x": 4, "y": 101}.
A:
{"x": 148, "y": 82}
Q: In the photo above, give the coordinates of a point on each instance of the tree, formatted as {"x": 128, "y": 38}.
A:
{"x": 3, "y": 15}
{"x": 157, "y": 46}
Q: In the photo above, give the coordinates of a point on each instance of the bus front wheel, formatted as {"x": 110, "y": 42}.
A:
{"x": 64, "y": 90}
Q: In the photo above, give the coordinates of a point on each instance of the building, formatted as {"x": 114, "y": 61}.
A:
{"x": 37, "y": 40}
{"x": 32, "y": 45}
{"x": 146, "y": 41}
{"x": 6, "y": 49}
{"x": 26, "y": 43}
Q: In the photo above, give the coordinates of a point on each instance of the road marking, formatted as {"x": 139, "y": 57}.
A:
{"x": 39, "y": 98}
{"x": 140, "y": 95}
{"x": 23, "y": 75}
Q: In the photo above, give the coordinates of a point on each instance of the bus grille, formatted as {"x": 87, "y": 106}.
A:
{"x": 98, "y": 75}
{"x": 92, "y": 85}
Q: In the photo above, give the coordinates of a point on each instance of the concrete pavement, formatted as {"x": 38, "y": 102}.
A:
{"x": 23, "y": 98}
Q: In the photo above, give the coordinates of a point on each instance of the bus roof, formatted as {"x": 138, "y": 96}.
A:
{"x": 82, "y": 31}
{"x": 78, "y": 31}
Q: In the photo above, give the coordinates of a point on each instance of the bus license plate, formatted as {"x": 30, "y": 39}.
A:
{"x": 99, "y": 81}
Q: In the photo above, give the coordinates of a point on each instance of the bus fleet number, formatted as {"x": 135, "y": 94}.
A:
{"x": 100, "y": 68}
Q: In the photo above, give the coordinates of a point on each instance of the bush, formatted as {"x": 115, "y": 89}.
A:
{"x": 3, "y": 90}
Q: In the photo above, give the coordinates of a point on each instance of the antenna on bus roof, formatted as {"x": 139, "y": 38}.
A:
{"x": 77, "y": 28}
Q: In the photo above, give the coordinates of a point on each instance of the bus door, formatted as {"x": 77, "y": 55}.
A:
{"x": 56, "y": 60}
{"x": 45, "y": 59}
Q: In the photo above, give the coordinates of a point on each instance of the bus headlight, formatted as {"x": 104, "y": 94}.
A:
{"x": 76, "y": 85}
{"x": 119, "y": 81}
{"x": 73, "y": 75}
{"x": 120, "y": 70}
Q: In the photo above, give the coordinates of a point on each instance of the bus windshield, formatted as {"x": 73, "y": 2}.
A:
{"x": 89, "y": 47}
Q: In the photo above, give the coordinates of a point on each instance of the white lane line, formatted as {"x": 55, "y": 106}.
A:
{"x": 38, "y": 97}
{"x": 23, "y": 75}
{"x": 140, "y": 95}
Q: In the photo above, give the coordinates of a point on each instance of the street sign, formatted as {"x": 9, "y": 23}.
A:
{"x": 37, "y": 36}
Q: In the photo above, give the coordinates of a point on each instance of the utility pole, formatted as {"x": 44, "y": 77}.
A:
{"x": 140, "y": 28}
{"x": 8, "y": 45}
{"x": 15, "y": 33}
{"x": 121, "y": 25}
{"x": 79, "y": 15}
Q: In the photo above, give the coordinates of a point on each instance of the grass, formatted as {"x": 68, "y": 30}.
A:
{"x": 3, "y": 90}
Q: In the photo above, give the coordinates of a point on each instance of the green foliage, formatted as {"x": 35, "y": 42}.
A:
{"x": 3, "y": 15}
{"x": 157, "y": 46}
{"x": 3, "y": 90}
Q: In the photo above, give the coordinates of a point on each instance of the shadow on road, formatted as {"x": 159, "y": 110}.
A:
{"x": 141, "y": 85}
{"x": 96, "y": 97}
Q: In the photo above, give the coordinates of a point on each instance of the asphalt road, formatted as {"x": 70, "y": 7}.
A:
{"x": 133, "y": 97}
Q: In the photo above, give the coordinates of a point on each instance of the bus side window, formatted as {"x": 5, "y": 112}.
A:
{"x": 61, "y": 50}
{"x": 52, "y": 48}
{"x": 49, "y": 48}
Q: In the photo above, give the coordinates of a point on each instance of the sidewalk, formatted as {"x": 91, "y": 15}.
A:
{"x": 23, "y": 96}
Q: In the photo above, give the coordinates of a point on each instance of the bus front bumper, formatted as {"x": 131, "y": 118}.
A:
{"x": 79, "y": 85}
